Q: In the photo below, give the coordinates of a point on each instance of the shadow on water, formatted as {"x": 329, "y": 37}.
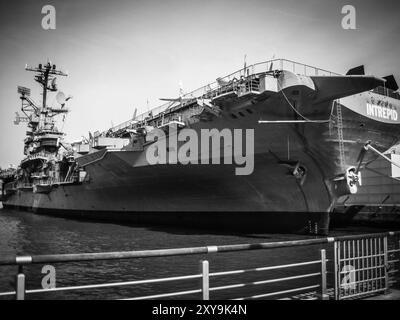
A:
{"x": 209, "y": 230}
{"x": 173, "y": 230}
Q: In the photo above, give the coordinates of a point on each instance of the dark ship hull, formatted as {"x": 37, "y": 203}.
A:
{"x": 122, "y": 186}
{"x": 199, "y": 196}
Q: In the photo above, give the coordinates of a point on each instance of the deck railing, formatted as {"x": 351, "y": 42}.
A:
{"x": 207, "y": 90}
{"x": 387, "y": 92}
{"x": 47, "y": 181}
{"x": 363, "y": 265}
{"x": 216, "y": 87}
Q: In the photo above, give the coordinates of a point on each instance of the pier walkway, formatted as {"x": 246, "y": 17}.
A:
{"x": 391, "y": 295}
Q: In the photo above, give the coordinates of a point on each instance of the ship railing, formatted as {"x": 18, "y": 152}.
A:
{"x": 12, "y": 185}
{"x": 41, "y": 154}
{"x": 38, "y": 174}
{"x": 23, "y": 185}
{"x": 387, "y": 92}
{"x": 360, "y": 265}
{"x": 215, "y": 88}
{"x": 7, "y": 174}
{"x": 49, "y": 131}
{"x": 55, "y": 181}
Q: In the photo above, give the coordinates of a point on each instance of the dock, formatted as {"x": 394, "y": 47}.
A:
{"x": 394, "y": 294}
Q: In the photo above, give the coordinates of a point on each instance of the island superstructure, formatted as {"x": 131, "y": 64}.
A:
{"x": 310, "y": 127}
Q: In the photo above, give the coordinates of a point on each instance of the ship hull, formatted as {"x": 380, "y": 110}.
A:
{"x": 206, "y": 196}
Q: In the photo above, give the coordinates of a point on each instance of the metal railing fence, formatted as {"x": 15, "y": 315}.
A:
{"x": 363, "y": 265}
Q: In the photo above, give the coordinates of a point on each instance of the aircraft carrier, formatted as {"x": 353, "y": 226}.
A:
{"x": 314, "y": 131}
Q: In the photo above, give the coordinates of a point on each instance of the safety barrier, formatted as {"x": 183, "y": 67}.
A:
{"x": 363, "y": 265}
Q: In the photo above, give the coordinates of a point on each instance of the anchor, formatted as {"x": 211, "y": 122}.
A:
{"x": 295, "y": 168}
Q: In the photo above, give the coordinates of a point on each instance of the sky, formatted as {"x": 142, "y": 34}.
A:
{"x": 120, "y": 54}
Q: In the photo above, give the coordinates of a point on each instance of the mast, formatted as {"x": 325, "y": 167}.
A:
{"x": 44, "y": 74}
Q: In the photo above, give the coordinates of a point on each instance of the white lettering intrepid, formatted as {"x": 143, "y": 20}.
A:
{"x": 381, "y": 112}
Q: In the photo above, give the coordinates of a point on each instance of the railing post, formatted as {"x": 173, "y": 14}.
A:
{"x": 205, "y": 280}
{"x": 336, "y": 249}
{"x": 324, "y": 295}
{"x": 20, "y": 284}
{"x": 385, "y": 252}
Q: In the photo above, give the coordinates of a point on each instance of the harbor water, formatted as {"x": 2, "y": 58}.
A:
{"x": 25, "y": 233}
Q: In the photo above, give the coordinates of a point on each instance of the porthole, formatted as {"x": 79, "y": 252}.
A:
{"x": 241, "y": 114}
{"x": 234, "y": 116}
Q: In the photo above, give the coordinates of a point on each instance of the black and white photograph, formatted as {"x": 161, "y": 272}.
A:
{"x": 199, "y": 155}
